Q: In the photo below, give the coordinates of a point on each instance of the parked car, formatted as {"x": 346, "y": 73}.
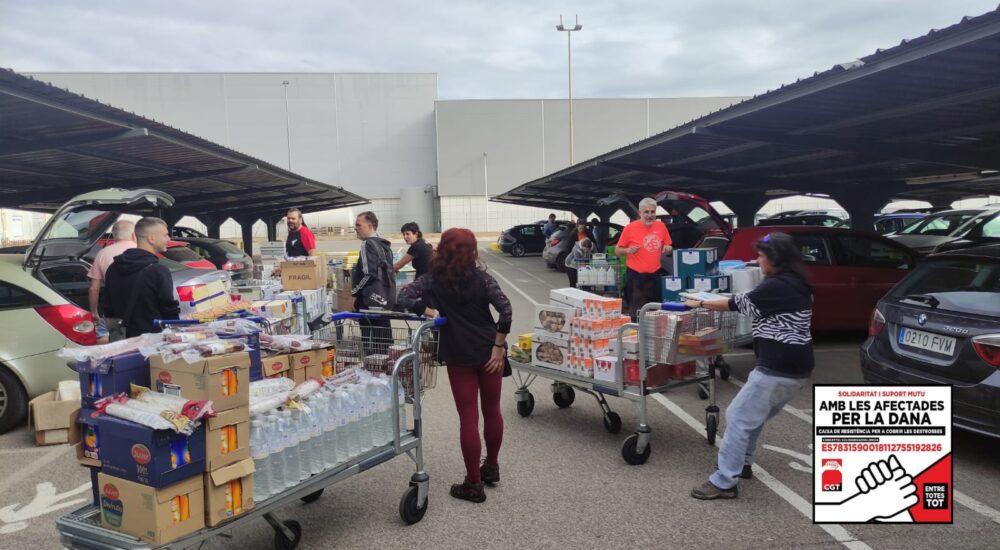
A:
{"x": 980, "y": 231}
{"x": 560, "y": 244}
{"x": 187, "y": 233}
{"x": 888, "y": 224}
{"x": 43, "y": 294}
{"x": 223, "y": 255}
{"x": 849, "y": 270}
{"x": 937, "y": 229}
{"x": 782, "y": 214}
{"x": 941, "y": 325}
{"x": 522, "y": 239}
{"x": 821, "y": 220}
{"x": 176, "y": 251}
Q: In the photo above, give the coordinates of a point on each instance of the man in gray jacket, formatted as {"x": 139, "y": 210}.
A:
{"x": 374, "y": 283}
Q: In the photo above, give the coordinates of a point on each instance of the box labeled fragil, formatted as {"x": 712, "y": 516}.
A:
{"x": 554, "y": 319}
{"x": 50, "y": 418}
{"x": 721, "y": 283}
{"x": 695, "y": 262}
{"x": 307, "y": 274}
{"x": 155, "y": 515}
{"x": 99, "y": 379}
{"x": 227, "y": 438}
{"x": 85, "y": 437}
{"x": 224, "y": 380}
{"x": 228, "y": 492}
{"x": 151, "y": 457}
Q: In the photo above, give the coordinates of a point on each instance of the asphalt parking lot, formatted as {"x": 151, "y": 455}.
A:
{"x": 564, "y": 483}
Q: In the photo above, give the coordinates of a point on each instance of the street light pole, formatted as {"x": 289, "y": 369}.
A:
{"x": 288, "y": 131}
{"x": 569, "y": 58}
{"x": 486, "y": 191}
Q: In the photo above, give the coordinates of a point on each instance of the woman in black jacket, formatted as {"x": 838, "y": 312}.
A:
{"x": 473, "y": 346}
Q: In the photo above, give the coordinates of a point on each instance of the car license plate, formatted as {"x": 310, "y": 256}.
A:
{"x": 944, "y": 345}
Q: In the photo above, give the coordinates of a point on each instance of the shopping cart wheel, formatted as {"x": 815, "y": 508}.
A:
{"x": 283, "y": 543}
{"x": 724, "y": 368}
{"x": 702, "y": 392}
{"x": 711, "y": 427}
{"x": 312, "y": 497}
{"x": 408, "y": 509}
{"x": 612, "y": 422}
{"x": 564, "y": 397}
{"x": 631, "y": 455}
{"x": 525, "y": 407}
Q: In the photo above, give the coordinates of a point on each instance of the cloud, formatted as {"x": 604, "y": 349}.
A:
{"x": 480, "y": 49}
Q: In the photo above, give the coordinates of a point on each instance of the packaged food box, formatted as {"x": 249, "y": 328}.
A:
{"x": 227, "y": 438}
{"x": 111, "y": 376}
{"x": 671, "y": 288}
{"x": 695, "y": 262}
{"x": 85, "y": 437}
{"x": 149, "y": 457}
{"x": 157, "y": 515}
{"x": 224, "y": 379}
{"x": 606, "y": 369}
{"x": 550, "y": 352}
{"x": 228, "y": 492}
{"x": 554, "y": 319}
{"x": 708, "y": 283}
{"x": 308, "y": 274}
{"x": 570, "y": 297}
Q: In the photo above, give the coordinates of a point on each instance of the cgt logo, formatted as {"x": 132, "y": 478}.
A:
{"x": 832, "y": 478}
{"x": 141, "y": 454}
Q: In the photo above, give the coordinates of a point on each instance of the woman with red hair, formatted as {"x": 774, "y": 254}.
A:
{"x": 472, "y": 344}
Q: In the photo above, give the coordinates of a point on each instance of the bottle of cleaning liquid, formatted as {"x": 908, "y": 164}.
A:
{"x": 261, "y": 459}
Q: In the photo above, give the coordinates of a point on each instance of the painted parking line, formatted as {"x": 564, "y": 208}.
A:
{"x": 27, "y": 471}
{"x": 494, "y": 255}
{"x": 838, "y": 532}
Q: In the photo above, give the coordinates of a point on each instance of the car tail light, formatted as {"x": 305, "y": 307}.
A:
{"x": 877, "y": 323}
{"x": 988, "y": 348}
{"x": 186, "y": 293}
{"x": 72, "y": 322}
{"x": 554, "y": 242}
{"x": 232, "y": 266}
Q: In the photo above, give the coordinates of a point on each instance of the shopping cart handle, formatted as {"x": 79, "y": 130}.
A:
{"x": 440, "y": 321}
{"x": 673, "y": 306}
{"x": 340, "y": 316}
{"x": 178, "y": 322}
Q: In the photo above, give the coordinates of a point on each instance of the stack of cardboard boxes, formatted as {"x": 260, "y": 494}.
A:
{"x": 574, "y": 330}
{"x": 160, "y": 485}
{"x": 697, "y": 270}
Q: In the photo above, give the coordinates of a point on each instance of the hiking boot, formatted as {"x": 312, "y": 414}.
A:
{"x": 747, "y": 472}
{"x": 707, "y": 491}
{"x": 473, "y": 492}
{"x": 490, "y": 473}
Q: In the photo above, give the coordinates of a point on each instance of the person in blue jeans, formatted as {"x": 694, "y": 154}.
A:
{"x": 781, "y": 309}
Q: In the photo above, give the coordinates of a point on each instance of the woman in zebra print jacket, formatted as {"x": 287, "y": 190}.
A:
{"x": 781, "y": 309}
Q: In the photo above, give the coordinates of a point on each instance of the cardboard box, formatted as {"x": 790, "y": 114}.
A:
{"x": 114, "y": 375}
{"x": 50, "y": 418}
{"x": 671, "y": 288}
{"x": 572, "y": 297}
{"x": 148, "y": 512}
{"x": 303, "y": 274}
{"x": 345, "y": 302}
{"x": 205, "y": 379}
{"x": 272, "y": 250}
{"x": 143, "y": 455}
{"x": 275, "y": 365}
{"x": 550, "y": 352}
{"x": 313, "y": 301}
{"x": 228, "y": 492}
{"x": 273, "y": 309}
{"x": 85, "y": 437}
{"x": 227, "y": 438}
{"x": 721, "y": 283}
{"x": 554, "y": 319}
{"x": 695, "y": 262}
{"x": 209, "y": 296}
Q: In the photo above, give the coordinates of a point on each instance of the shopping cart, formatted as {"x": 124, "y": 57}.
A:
{"x": 600, "y": 274}
{"x": 81, "y": 529}
{"x": 670, "y": 347}
{"x": 375, "y": 339}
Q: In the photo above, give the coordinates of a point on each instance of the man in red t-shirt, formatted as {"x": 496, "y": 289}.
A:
{"x": 643, "y": 243}
{"x": 300, "y": 241}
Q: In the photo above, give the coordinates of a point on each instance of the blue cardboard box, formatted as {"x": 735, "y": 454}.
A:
{"x": 671, "y": 288}
{"x": 722, "y": 283}
{"x": 111, "y": 376}
{"x": 695, "y": 262}
{"x": 156, "y": 458}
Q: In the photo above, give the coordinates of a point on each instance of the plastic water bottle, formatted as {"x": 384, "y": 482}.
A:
{"x": 329, "y": 427}
{"x": 365, "y": 417}
{"x": 261, "y": 459}
{"x": 316, "y": 406}
{"x": 353, "y": 424}
{"x": 341, "y": 418}
{"x": 276, "y": 440}
{"x": 301, "y": 424}
{"x": 289, "y": 426}
{"x": 401, "y": 401}
{"x": 383, "y": 393}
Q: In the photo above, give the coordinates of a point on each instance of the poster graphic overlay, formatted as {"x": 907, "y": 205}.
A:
{"x": 882, "y": 454}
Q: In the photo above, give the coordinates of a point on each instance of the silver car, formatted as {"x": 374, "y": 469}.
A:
{"x": 43, "y": 294}
{"x": 940, "y": 228}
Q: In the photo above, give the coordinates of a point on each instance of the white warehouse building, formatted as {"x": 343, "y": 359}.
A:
{"x": 387, "y": 137}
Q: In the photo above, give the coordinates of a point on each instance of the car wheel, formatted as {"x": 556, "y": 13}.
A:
{"x": 561, "y": 261}
{"x": 517, "y": 250}
{"x": 13, "y": 401}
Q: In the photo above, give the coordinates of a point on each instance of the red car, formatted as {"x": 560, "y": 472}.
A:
{"x": 850, "y": 270}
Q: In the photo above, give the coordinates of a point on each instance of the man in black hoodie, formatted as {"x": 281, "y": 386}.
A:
{"x": 137, "y": 273}
{"x": 374, "y": 282}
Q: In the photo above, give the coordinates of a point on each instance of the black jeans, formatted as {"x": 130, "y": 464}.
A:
{"x": 640, "y": 289}
{"x": 571, "y": 273}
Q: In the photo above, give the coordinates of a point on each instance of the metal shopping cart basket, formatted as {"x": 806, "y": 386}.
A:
{"x": 375, "y": 339}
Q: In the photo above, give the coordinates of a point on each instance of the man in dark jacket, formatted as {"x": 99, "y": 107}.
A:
{"x": 154, "y": 295}
{"x": 374, "y": 282}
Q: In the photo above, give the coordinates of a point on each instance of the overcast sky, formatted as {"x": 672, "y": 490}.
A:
{"x": 479, "y": 49}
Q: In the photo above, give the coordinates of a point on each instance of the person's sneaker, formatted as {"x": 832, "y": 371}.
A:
{"x": 747, "y": 472}
{"x": 707, "y": 491}
{"x": 490, "y": 473}
{"x": 473, "y": 492}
